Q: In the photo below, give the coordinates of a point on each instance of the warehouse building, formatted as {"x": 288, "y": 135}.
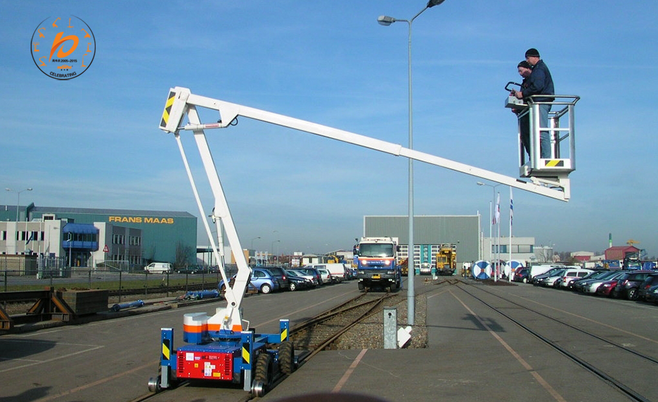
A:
{"x": 87, "y": 237}
{"x": 462, "y": 231}
{"x": 430, "y": 232}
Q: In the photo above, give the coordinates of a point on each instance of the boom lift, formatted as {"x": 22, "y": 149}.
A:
{"x": 554, "y": 170}
{"x": 222, "y": 347}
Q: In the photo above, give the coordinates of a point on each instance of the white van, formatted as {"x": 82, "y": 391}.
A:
{"x": 158, "y": 268}
{"x": 541, "y": 269}
{"x": 573, "y": 273}
{"x": 336, "y": 270}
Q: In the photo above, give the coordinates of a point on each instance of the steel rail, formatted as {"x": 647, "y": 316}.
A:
{"x": 610, "y": 380}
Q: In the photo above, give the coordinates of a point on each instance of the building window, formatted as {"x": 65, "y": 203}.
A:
{"x": 135, "y": 240}
{"x": 118, "y": 239}
{"x": 4, "y": 235}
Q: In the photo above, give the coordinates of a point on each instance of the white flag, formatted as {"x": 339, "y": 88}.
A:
{"x": 497, "y": 216}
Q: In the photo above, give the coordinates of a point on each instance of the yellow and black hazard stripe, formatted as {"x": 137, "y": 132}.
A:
{"x": 166, "y": 349}
{"x": 246, "y": 355}
{"x": 554, "y": 163}
{"x": 284, "y": 334}
{"x": 167, "y": 109}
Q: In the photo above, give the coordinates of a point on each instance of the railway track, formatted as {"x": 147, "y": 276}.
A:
{"x": 319, "y": 333}
{"x": 592, "y": 349}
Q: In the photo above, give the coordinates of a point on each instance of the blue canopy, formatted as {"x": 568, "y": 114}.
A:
{"x": 80, "y": 228}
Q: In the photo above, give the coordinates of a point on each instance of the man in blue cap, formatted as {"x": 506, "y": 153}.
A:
{"x": 540, "y": 82}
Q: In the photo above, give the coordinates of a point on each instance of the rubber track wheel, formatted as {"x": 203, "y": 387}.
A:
{"x": 263, "y": 368}
{"x": 287, "y": 357}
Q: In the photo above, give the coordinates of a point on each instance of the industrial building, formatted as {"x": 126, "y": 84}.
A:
{"x": 88, "y": 237}
{"x": 430, "y": 232}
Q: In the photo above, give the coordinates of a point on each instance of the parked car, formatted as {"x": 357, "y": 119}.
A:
{"x": 570, "y": 275}
{"x": 280, "y": 274}
{"x": 648, "y": 283}
{"x": 593, "y": 284}
{"x": 521, "y": 275}
{"x": 536, "y": 270}
{"x": 578, "y": 284}
{"x": 651, "y": 295}
{"x": 629, "y": 286}
{"x": 312, "y": 279}
{"x": 551, "y": 278}
{"x": 261, "y": 280}
{"x": 337, "y": 270}
{"x": 535, "y": 280}
{"x": 312, "y": 271}
{"x": 607, "y": 287}
{"x": 298, "y": 282}
{"x": 325, "y": 275}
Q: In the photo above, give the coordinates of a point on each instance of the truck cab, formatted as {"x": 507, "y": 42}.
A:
{"x": 377, "y": 263}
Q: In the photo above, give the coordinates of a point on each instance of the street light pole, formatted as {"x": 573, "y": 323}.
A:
{"x": 411, "y": 292}
{"x": 252, "y": 241}
{"x": 18, "y": 199}
{"x": 18, "y": 206}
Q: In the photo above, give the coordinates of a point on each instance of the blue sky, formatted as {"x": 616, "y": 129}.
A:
{"x": 94, "y": 141}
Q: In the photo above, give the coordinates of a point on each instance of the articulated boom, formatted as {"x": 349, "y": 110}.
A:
{"x": 181, "y": 100}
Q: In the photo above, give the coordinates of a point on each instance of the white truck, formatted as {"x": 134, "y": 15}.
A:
{"x": 377, "y": 263}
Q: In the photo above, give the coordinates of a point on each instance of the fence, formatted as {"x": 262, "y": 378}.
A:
{"x": 54, "y": 274}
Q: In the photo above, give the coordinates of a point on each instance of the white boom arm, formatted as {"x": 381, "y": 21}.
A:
{"x": 181, "y": 102}
{"x": 230, "y": 111}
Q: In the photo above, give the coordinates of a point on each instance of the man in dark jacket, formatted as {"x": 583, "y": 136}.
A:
{"x": 540, "y": 82}
{"x": 525, "y": 69}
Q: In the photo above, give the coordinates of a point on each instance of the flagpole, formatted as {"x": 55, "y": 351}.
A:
{"x": 511, "y": 217}
{"x": 497, "y": 262}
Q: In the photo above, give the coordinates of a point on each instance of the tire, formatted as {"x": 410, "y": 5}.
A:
{"x": 632, "y": 294}
{"x": 361, "y": 286}
{"x": 263, "y": 372}
{"x": 287, "y": 357}
{"x": 265, "y": 288}
{"x": 293, "y": 287}
{"x": 525, "y": 280}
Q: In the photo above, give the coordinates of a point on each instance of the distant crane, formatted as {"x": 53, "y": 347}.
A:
{"x": 632, "y": 242}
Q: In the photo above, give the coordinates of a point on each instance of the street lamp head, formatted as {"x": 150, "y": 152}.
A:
{"x": 480, "y": 183}
{"x": 29, "y": 189}
{"x": 385, "y": 20}
{"x": 433, "y": 3}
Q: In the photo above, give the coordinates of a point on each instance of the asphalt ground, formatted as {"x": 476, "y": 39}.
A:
{"x": 472, "y": 353}
{"x": 475, "y": 354}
